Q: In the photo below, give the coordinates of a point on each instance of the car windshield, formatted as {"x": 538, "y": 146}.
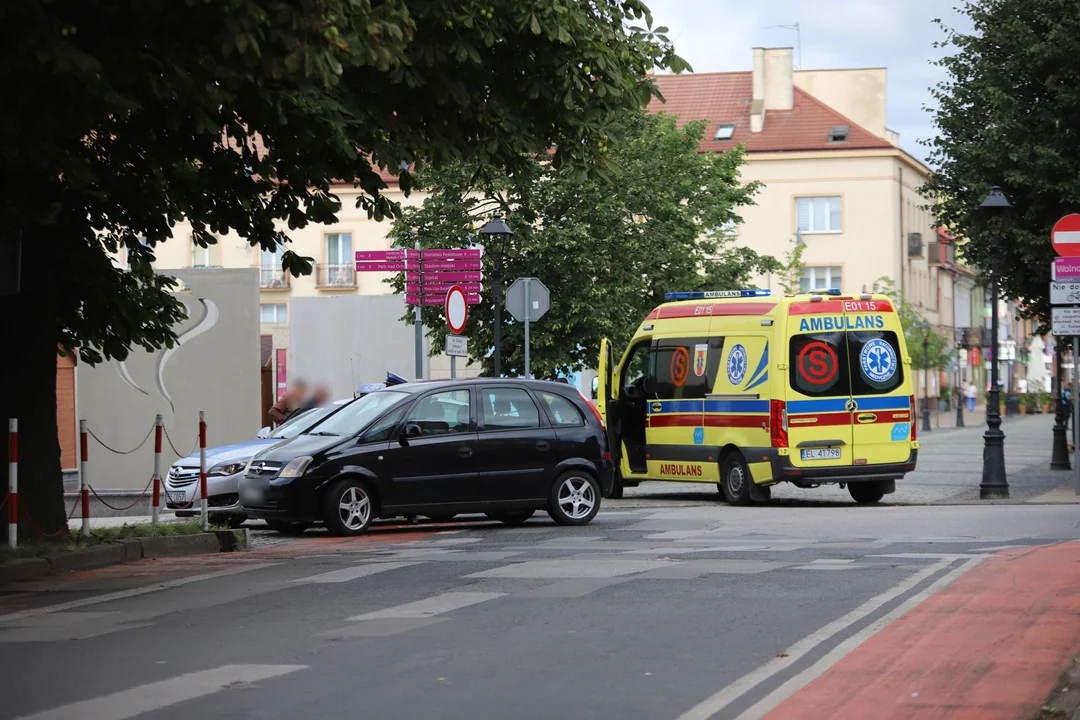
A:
{"x": 303, "y": 421}
{"x": 358, "y": 414}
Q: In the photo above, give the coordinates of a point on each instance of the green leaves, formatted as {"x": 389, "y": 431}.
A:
{"x": 606, "y": 249}
{"x": 917, "y": 329}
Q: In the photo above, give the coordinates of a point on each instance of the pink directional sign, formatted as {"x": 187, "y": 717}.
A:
{"x": 1065, "y": 268}
{"x": 463, "y": 254}
{"x": 444, "y": 277}
{"x": 384, "y": 255}
{"x": 387, "y": 267}
{"x": 443, "y": 288}
{"x": 451, "y": 265}
{"x": 471, "y": 299}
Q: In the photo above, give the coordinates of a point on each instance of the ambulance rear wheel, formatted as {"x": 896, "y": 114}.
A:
{"x": 866, "y": 493}
{"x": 735, "y": 479}
{"x": 616, "y": 487}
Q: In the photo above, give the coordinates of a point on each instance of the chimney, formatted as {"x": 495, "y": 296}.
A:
{"x": 773, "y": 84}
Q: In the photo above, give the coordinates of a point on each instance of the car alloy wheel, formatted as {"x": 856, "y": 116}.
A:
{"x": 574, "y": 499}
{"x": 354, "y": 508}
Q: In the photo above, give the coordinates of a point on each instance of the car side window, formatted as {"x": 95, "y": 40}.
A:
{"x": 442, "y": 413}
{"x": 562, "y": 412}
{"x": 637, "y": 365}
{"x": 384, "y": 428}
{"x": 508, "y": 409}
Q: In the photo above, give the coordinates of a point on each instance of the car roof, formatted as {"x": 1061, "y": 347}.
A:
{"x": 424, "y": 385}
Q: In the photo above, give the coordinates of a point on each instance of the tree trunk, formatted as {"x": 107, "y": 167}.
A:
{"x": 28, "y": 388}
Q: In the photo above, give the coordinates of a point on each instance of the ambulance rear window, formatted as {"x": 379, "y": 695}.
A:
{"x": 819, "y": 365}
{"x": 876, "y": 365}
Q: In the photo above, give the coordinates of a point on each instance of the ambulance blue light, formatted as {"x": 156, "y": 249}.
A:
{"x": 709, "y": 294}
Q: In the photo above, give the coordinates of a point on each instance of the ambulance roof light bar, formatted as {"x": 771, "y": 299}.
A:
{"x": 830, "y": 291}
{"x": 708, "y": 294}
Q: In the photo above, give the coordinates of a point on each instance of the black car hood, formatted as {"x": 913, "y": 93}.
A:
{"x": 300, "y": 445}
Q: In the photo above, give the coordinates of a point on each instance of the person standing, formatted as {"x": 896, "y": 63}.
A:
{"x": 289, "y": 403}
{"x": 969, "y": 395}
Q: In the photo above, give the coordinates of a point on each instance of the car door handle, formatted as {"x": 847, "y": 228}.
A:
{"x": 543, "y": 445}
{"x": 465, "y": 452}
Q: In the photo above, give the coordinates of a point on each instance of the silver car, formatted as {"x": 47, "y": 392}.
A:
{"x": 225, "y": 467}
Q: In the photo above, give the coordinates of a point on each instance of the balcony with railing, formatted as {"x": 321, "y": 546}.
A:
{"x": 335, "y": 277}
{"x": 273, "y": 279}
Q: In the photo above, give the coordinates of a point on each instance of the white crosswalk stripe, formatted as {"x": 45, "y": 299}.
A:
{"x": 352, "y": 573}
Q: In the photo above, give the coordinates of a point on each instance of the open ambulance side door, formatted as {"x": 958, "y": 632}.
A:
{"x": 604, "y": 386}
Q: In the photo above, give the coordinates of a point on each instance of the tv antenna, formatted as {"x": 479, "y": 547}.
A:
{"x": 798, "y": 39}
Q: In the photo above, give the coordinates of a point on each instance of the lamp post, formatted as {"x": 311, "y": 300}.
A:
{"x": 500, "y": 232}
{"x": 925, "y": 327}
{"x": 994, "y": 485}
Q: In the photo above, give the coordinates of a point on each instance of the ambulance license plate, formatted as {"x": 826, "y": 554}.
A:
{"x": 178, "y": 498}
{"x": 821, "y": 454}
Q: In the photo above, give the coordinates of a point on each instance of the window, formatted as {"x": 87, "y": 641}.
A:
{"x": 682, "y": 367}
{"x": 724, "y": 132}
{"x": 384, "y": 428}
{"x": 508, "y": 409}
{"x": 442, "y": 413}
{"x": 270, "y": 273}
{"x": 818, "y": 214}
{"x": 340, "y": 261}
{"x": 205, "y": 257}
{"x": 875, "y": 362}
{"x": 820, "y": 278}
{"x": 357, "y": 415}
{"x": 275, "y": 313}
{"x": 839, "y": 133}
{"x": 819, "y": 365}
{"x": 562, "y": 412}
{"x": 637, "y": 365}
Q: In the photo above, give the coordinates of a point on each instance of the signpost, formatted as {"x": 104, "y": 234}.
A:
{"x": 457, "y": 314}
{"x": 1065, "y": 314}
{"x": 527, "y": 300}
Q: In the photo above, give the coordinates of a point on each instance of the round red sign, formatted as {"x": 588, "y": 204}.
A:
{"x": 680, "y": 366}
{"x": 457, "y": 310}
{"x": 1065, "y": 237}
{"x": 817, "y": 363}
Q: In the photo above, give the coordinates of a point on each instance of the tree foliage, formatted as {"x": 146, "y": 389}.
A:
{"x": 1009, "y": 114}
{"x": 791, "y": 270}
{"x": 123, "y": 117}
{"x": 939, "y": 348}
{"x": 606, "y": 250}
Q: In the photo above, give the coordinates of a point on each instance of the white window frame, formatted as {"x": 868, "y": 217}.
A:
{"x": 205, "y": 254}
{"x": 340, "y": 270}
{"x": 281, "y": 313}
{"x": 270, "y": 267}
{"x": 811, "y": 273}
{"x": 808, "y": 201}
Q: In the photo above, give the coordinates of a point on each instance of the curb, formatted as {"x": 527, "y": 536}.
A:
{"x": 125, "y": 551}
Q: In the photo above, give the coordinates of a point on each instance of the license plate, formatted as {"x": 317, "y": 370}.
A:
{"x": 179, "y": 498}
{"x": 821, "y": 454}
{"x": 253, "y": 495}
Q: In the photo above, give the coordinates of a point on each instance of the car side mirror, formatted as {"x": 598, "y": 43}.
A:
{"x": 264, "y": 433}
{"x": 596, "y": 388}
{"x": 412, "y": 430}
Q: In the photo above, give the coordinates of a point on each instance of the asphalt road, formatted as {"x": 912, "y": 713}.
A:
{"x": 650, "y": 612}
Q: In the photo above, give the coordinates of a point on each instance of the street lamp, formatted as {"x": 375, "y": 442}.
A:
{"x": 925, "y": 327}
{"x": 500, "y": 232}
{"x": 994, "y": 485}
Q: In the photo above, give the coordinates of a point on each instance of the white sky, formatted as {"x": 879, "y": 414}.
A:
{"x": 717, "y": 36}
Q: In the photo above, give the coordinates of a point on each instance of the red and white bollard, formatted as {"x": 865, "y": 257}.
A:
{"x": 84, "y": 478}
{"x": 202, "y": 470}
{"x": 155, "y": 509}
{"x": 13, "y": 483}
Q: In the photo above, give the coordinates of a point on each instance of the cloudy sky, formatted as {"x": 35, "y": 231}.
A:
{"x": 717, "y": 36}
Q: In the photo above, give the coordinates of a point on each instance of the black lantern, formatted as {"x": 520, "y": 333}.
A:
{"x": 500, "y": 232}
{"x": 994, "y": 485}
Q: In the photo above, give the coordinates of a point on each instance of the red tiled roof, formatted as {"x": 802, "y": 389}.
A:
{"x": 724, "y": 98}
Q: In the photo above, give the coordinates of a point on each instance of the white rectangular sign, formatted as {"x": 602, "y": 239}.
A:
{"x": 457, "y": 346}
{"x": 1065, "y": 321}
{"x": 1065, "y": 293}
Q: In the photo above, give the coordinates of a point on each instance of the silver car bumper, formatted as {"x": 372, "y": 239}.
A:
{"x": 182, "y": 493}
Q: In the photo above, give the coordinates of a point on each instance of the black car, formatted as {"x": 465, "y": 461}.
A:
{"x": 503, "y": 447}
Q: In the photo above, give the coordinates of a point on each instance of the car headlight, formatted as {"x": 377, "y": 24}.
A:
{"x": 227, "y": 468}
{"x": 296, "y": 467}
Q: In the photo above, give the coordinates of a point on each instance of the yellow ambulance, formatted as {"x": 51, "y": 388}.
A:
{"x": 745, "y": 390}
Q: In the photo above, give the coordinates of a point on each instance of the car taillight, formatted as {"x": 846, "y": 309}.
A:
{"x": 911, "y": 416}
{"x": 778, "y": 423}
{"x": 595, "y": 410}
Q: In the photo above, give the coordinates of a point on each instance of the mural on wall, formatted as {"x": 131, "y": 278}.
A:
{"x": 207, "y": 321}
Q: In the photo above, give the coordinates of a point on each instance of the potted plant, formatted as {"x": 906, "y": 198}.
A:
{"x": 1030, "y": 405}
{"x": 1046, "y": 401}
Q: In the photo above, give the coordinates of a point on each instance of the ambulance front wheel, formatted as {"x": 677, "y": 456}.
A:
{"x": 735, "y": 479}
{"x": 867, "y": 493}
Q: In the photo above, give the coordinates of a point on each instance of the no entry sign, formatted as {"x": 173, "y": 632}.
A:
{"x": 457, "y": 310}
{"x": 1065, "y": 236}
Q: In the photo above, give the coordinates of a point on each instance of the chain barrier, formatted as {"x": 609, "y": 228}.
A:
{"x": 121, "y": 452}
{"x": 4, "y": 501}
{"x": 126, "y": 507}
{"x": 175, "y": 451}
{"x": 64, "y": 528}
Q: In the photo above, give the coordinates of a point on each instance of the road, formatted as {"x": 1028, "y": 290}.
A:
{"x": 671, "y": 610}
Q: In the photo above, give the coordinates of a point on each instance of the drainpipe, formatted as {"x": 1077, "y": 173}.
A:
{"x": 903, "y": 245}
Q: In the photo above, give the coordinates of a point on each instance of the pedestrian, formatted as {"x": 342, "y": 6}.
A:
{"x": 1066, "y": 400}
{"x": 969, "y": 395}
{"x": 320, "y": 396}
{"x": 289, "y": 403}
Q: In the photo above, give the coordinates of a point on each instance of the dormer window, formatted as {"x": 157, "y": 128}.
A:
{"x": 839, "y": 133}
{"x": 724, "y": 132}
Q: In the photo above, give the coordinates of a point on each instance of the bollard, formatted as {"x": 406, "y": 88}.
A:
{"x": 155, "y": 510}
{"x": 84, "y": 478}
{"x": 202, "y": 470}
{"x": 13, "y": 483}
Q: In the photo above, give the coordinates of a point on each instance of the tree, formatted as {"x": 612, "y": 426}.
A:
{"x": 792, "y": 268}
{"x": 1009, "y": 114}
{"x": 606, "y": 250}
{"x": 122, "y": 117}
{"x": 916, "y": 329}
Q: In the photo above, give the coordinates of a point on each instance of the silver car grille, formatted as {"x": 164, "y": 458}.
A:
{"x": 263, "y": 468}
{"x": 182, "y": 476}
